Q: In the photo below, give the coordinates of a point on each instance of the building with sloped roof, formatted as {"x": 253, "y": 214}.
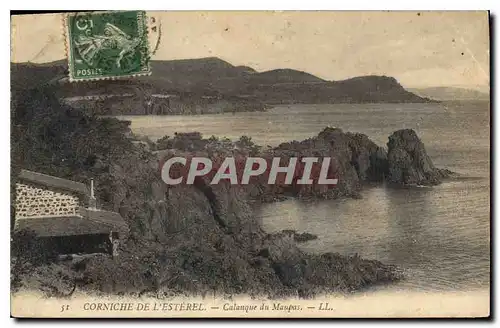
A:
{"x": 65, "y": 212}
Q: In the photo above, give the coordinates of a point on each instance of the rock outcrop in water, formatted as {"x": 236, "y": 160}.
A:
{"x": 193, "y": 239}
{"x": 408, "y": 162}
{"x": 198, "y": 238}
{"x": 355, "y": 159}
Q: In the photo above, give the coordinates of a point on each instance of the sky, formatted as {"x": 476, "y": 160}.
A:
{"x": 419, "y": 49}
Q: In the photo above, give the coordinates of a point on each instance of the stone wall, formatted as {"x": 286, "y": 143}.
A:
{"x": 37, "y": 201}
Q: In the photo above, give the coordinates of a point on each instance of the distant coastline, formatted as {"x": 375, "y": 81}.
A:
{"x": 451, "y": 94}
{"x": 207, "y": 86}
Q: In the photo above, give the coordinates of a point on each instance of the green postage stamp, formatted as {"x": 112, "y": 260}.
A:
{"x": 107, "y": 45}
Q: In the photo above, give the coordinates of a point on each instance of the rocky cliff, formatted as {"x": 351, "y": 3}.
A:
{"x": 194, "y": 239}
{"x": 408, "y": 162}
{"x": 198, "y": 238}
{"x": 355, "y": 159}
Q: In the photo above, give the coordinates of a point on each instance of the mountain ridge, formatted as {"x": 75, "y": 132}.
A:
{"x": 194, "y": 79}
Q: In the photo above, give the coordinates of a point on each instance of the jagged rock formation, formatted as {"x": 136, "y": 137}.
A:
{"x": 184, "y": 239}
{"x": 204, "y": 241}
{"x": 199, "y": 238}
{"x": 408, "y": 162}
{"x": 355, "y": 159}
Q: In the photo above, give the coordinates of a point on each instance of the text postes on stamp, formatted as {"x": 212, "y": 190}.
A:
{"x": 103, "y": 45}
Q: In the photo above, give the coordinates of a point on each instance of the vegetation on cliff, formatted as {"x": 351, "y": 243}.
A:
{"x": 184, "y": 239}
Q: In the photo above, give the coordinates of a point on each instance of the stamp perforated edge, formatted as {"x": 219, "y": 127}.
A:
{"x": 67, "y": 43}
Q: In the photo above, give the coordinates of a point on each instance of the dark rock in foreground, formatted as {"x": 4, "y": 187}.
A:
{"x": 201, "y": 238}
{"x": 408, "y": 162}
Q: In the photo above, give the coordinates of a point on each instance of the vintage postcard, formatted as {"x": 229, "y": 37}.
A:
{"x": 250, "y": 164}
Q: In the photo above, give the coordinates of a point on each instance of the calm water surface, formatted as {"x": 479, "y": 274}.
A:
{"x": 440, "y": 235}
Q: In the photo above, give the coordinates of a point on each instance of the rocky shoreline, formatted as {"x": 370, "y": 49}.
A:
{"x": 198, "y": 239}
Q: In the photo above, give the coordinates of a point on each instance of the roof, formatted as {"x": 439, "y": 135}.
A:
{"x": 88, "y": 222}
{"x": 108, "y": 218}
{"x": 54, "y": 182}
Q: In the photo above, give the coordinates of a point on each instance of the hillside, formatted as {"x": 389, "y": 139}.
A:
{"x": 283, "y": 75}
{"x": 208, "y": 85}
{"x": 450, "y": 93}
{"x": 28, "y": 75}
{"x": 186, "y": 240}
{"x": 363, "y": 89}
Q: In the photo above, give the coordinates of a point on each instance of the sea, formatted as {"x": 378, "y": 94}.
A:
{"x": 440, "y": 236}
